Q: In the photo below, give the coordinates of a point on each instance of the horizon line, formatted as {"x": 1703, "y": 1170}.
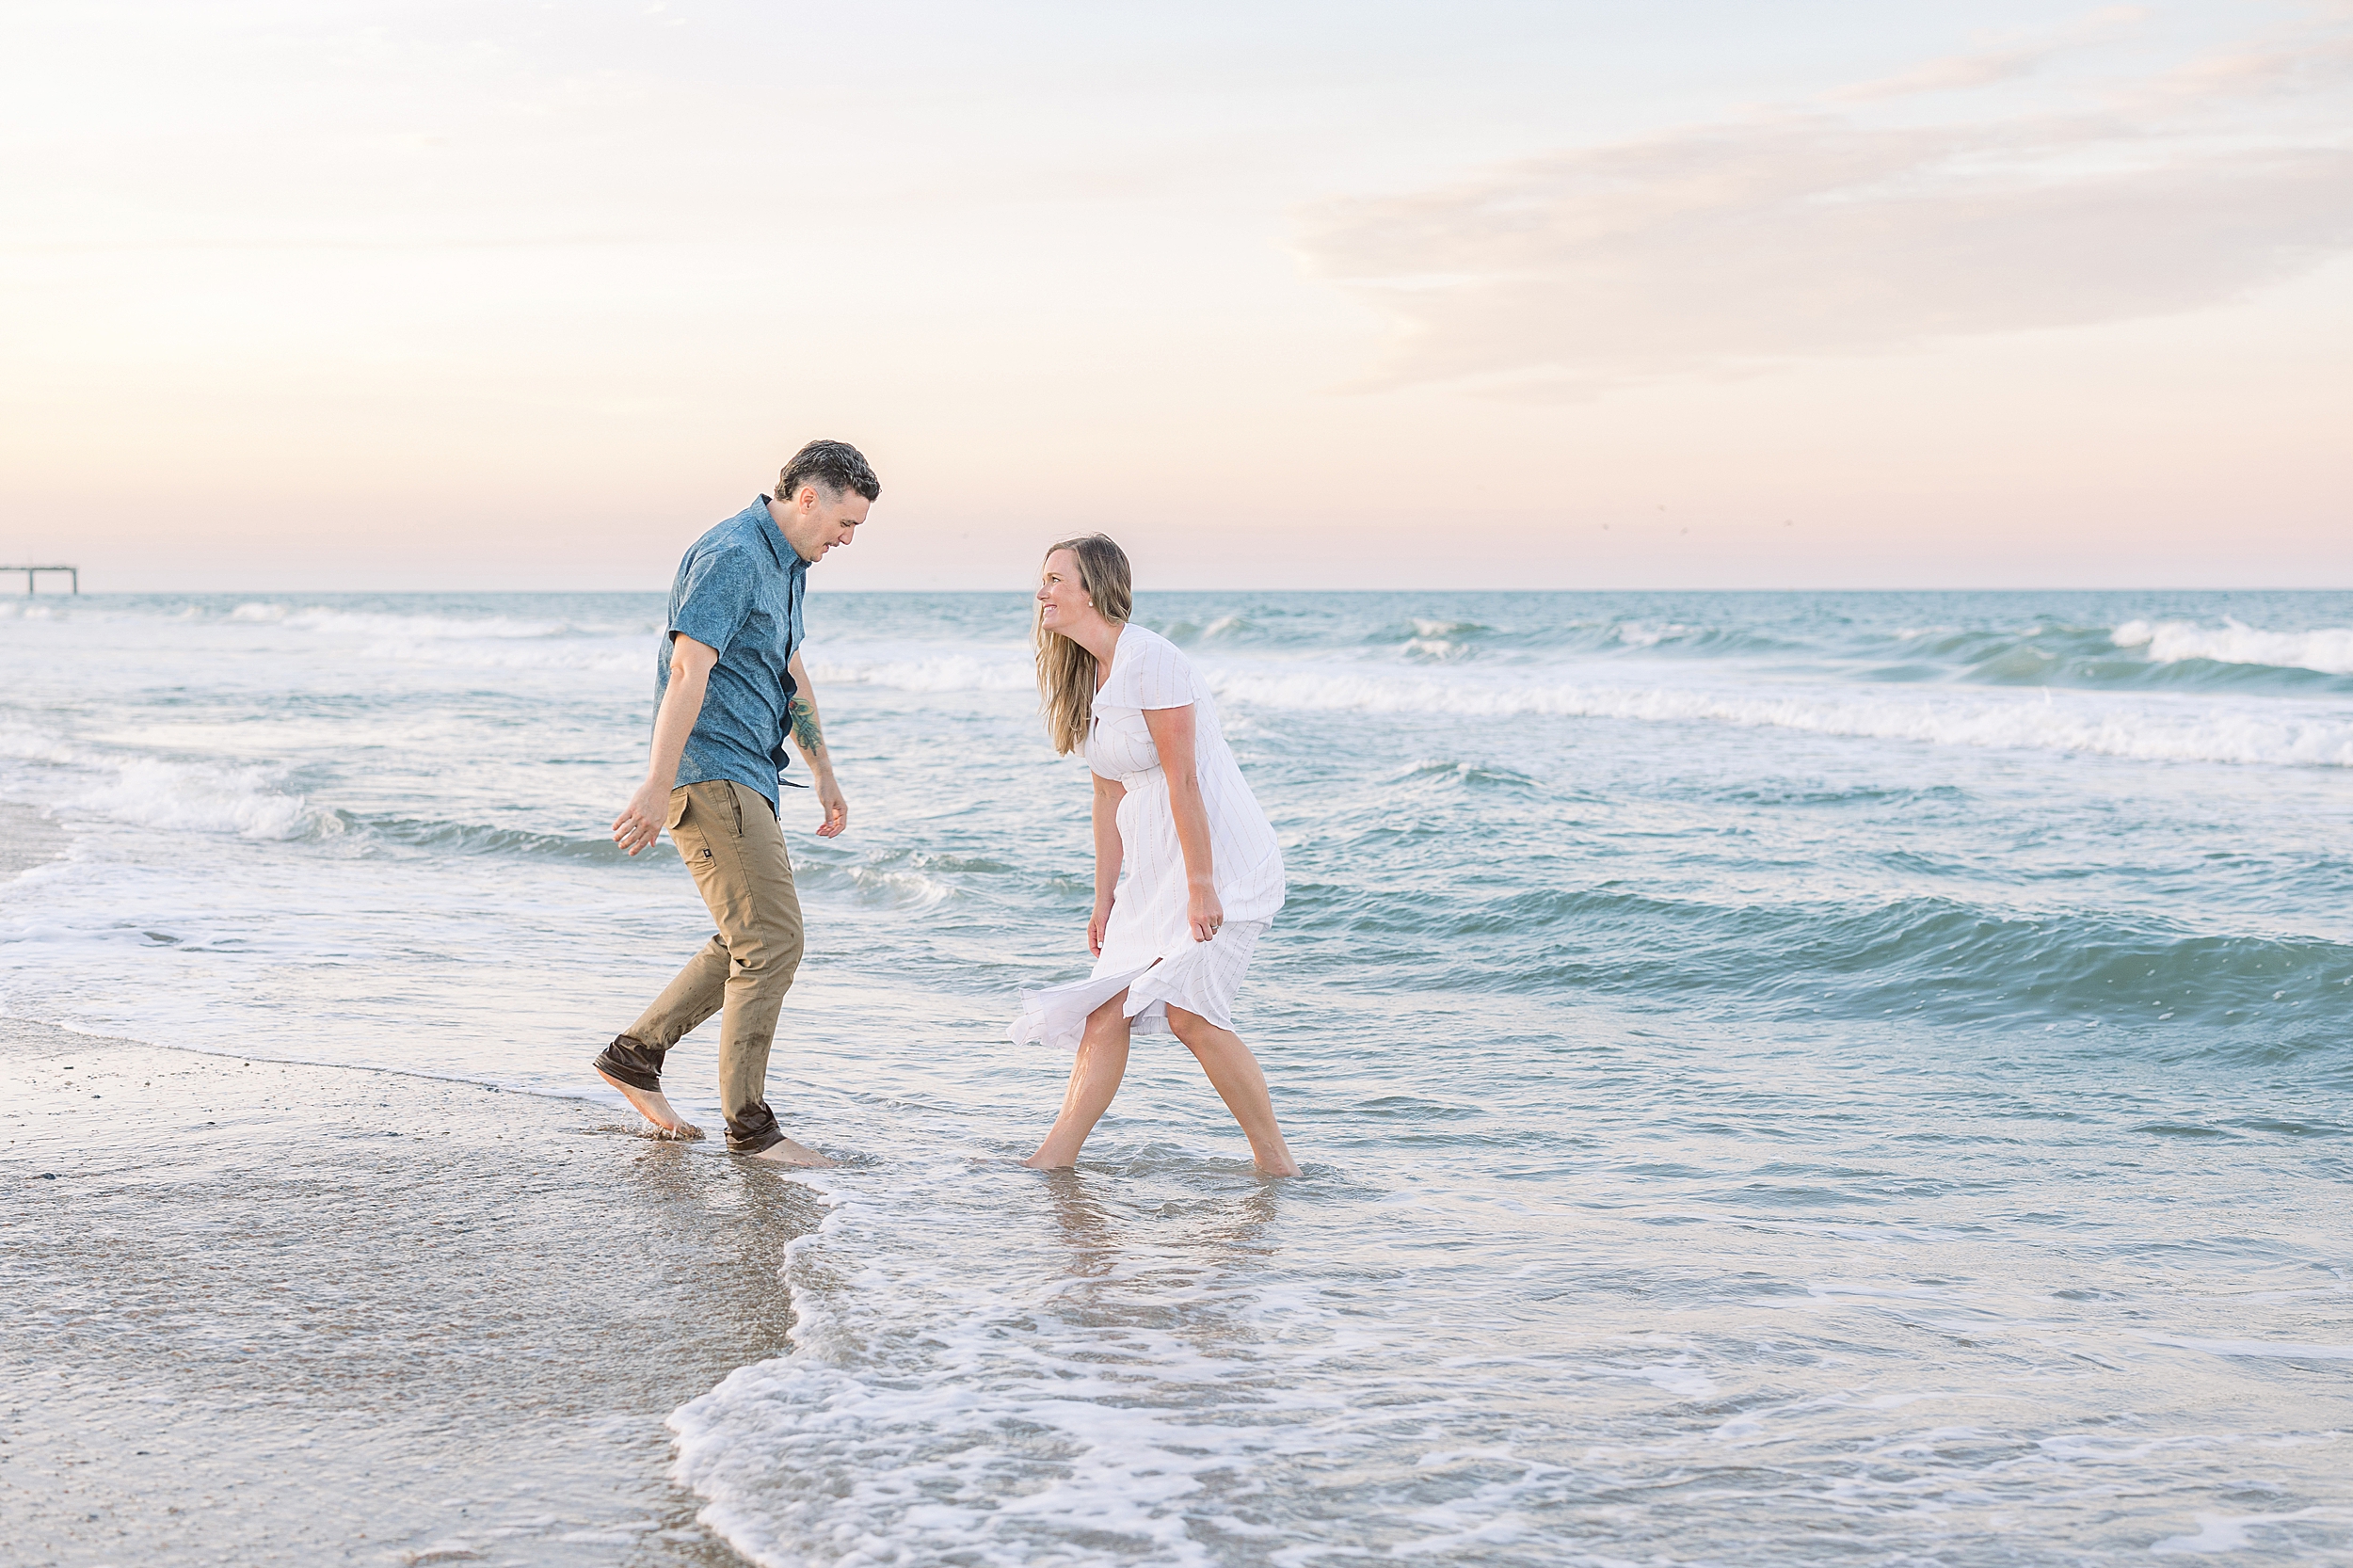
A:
{"x": 388, "y": 593}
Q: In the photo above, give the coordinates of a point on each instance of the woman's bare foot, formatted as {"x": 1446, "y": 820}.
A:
{"x": 1286, "y": 1167}
{"x": 1039, "y": 1162}
{"x": 655, "y": 1108}
{"x": 787, "y": 1152}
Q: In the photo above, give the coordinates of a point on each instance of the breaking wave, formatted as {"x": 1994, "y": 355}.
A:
{"x": 2202, "y": 733}
{"x": 2328, "y": 650}
{"x": 197, "y": 797}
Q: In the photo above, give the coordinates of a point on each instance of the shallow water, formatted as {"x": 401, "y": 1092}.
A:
{"x": 1783, "y": 1078}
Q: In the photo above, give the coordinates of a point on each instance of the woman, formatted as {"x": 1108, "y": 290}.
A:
{"x": 1204, "y": 875}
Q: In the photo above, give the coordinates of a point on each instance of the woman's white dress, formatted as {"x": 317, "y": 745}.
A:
{"x": 1148, "y": 949}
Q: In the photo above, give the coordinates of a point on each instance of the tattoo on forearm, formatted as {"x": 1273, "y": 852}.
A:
{"x": 805, "y": 730}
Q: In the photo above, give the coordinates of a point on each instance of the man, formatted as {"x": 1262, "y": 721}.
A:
{"x": 729, "y": 686}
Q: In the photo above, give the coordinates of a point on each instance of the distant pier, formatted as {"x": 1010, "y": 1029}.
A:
{"x": 75, "y": 572}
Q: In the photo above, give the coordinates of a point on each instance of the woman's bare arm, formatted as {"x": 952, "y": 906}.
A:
{"x": 1108, "y": 795}
{"x": 1172, "y": 733}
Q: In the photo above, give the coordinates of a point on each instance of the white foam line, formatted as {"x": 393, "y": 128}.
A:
{"x": 2279, "y": 1348}
{"x": 186, "y": 796}
{"x": 1013, "y": 1433}
{"x": 2221, "y": 1532}
{"x": 2326, "y": 649}
{"x": 2100, "y": 727}
{"x": 2234, "y": 730}
{"x": 956, "y": 672}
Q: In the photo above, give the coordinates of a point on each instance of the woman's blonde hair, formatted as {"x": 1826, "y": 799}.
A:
{"x": 1066, "y": 671}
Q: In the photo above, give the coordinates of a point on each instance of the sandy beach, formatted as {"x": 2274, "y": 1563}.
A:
{"x": 265, "y": 1313}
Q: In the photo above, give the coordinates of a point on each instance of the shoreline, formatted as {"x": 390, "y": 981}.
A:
{"x": 279, "y": 1313}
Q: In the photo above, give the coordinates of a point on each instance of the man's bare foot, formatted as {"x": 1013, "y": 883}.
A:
{"x": 787, "y": 1152}
{"x": 655, "y": 1108}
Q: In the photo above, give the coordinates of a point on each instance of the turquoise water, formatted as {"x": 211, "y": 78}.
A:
{"x": 1783, "y": 1078}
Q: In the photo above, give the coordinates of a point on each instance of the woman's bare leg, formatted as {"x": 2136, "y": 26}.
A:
{"x": 1234, "y": 1073}
{"x": 1094, "y": 1079}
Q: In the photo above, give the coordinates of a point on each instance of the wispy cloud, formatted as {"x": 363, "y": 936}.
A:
{"x": 1987, "y": 67}
{"x": 1811, "y": 232}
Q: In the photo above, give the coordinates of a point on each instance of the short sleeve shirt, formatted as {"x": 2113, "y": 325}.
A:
{"x": 738, "y": 590}
{"x": 1148, "y": 671}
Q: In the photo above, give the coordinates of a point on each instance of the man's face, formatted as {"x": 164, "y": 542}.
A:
{"x": 814, "y": 522}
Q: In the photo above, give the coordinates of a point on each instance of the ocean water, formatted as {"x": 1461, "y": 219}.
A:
{"x": 1783, "y": 1079}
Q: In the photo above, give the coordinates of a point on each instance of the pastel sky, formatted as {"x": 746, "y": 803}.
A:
{"x": 505, "y": 293}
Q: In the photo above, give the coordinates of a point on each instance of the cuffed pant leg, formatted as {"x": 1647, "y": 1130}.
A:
{"x": 730, "y": 839}
{"x": 691, "y": 996}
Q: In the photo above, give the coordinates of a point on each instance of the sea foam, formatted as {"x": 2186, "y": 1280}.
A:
{"x": 154, "y": 792}
{"x": 2147, "y": 728}
{"x": 2103, "y": 726}
{"x": 1030, "y": 1412}
{"x": 208, "y": 798}
{"x": 911, "y": 670}
{"x": 2326, "y": 649}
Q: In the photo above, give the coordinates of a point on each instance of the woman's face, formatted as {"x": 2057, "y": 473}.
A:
{"x": 1061, "y": 598}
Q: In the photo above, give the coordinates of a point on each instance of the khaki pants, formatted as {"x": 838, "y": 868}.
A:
{"x": 727, "y": 834}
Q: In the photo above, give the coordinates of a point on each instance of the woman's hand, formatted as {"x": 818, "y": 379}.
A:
{"x": 1108, "y": 793}
{"x": 1203, "y": 912}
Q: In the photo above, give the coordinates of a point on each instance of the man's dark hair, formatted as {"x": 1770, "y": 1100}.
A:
{"x": 835, "y": 465}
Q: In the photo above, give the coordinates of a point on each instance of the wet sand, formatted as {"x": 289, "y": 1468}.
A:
{"x": 270, "y": 1313}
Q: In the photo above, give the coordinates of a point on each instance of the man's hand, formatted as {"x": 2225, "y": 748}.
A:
{"x": 640, "y": 822}
{"x": 836, "y": 810}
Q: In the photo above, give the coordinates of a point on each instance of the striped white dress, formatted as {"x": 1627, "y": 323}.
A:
{"x": 1149, "y": 949}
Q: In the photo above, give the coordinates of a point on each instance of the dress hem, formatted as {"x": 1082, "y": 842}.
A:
{"x": 1201, "y": 977}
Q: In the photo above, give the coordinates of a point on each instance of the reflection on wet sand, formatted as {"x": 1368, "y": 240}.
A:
{"x": 283, "y": 1313}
